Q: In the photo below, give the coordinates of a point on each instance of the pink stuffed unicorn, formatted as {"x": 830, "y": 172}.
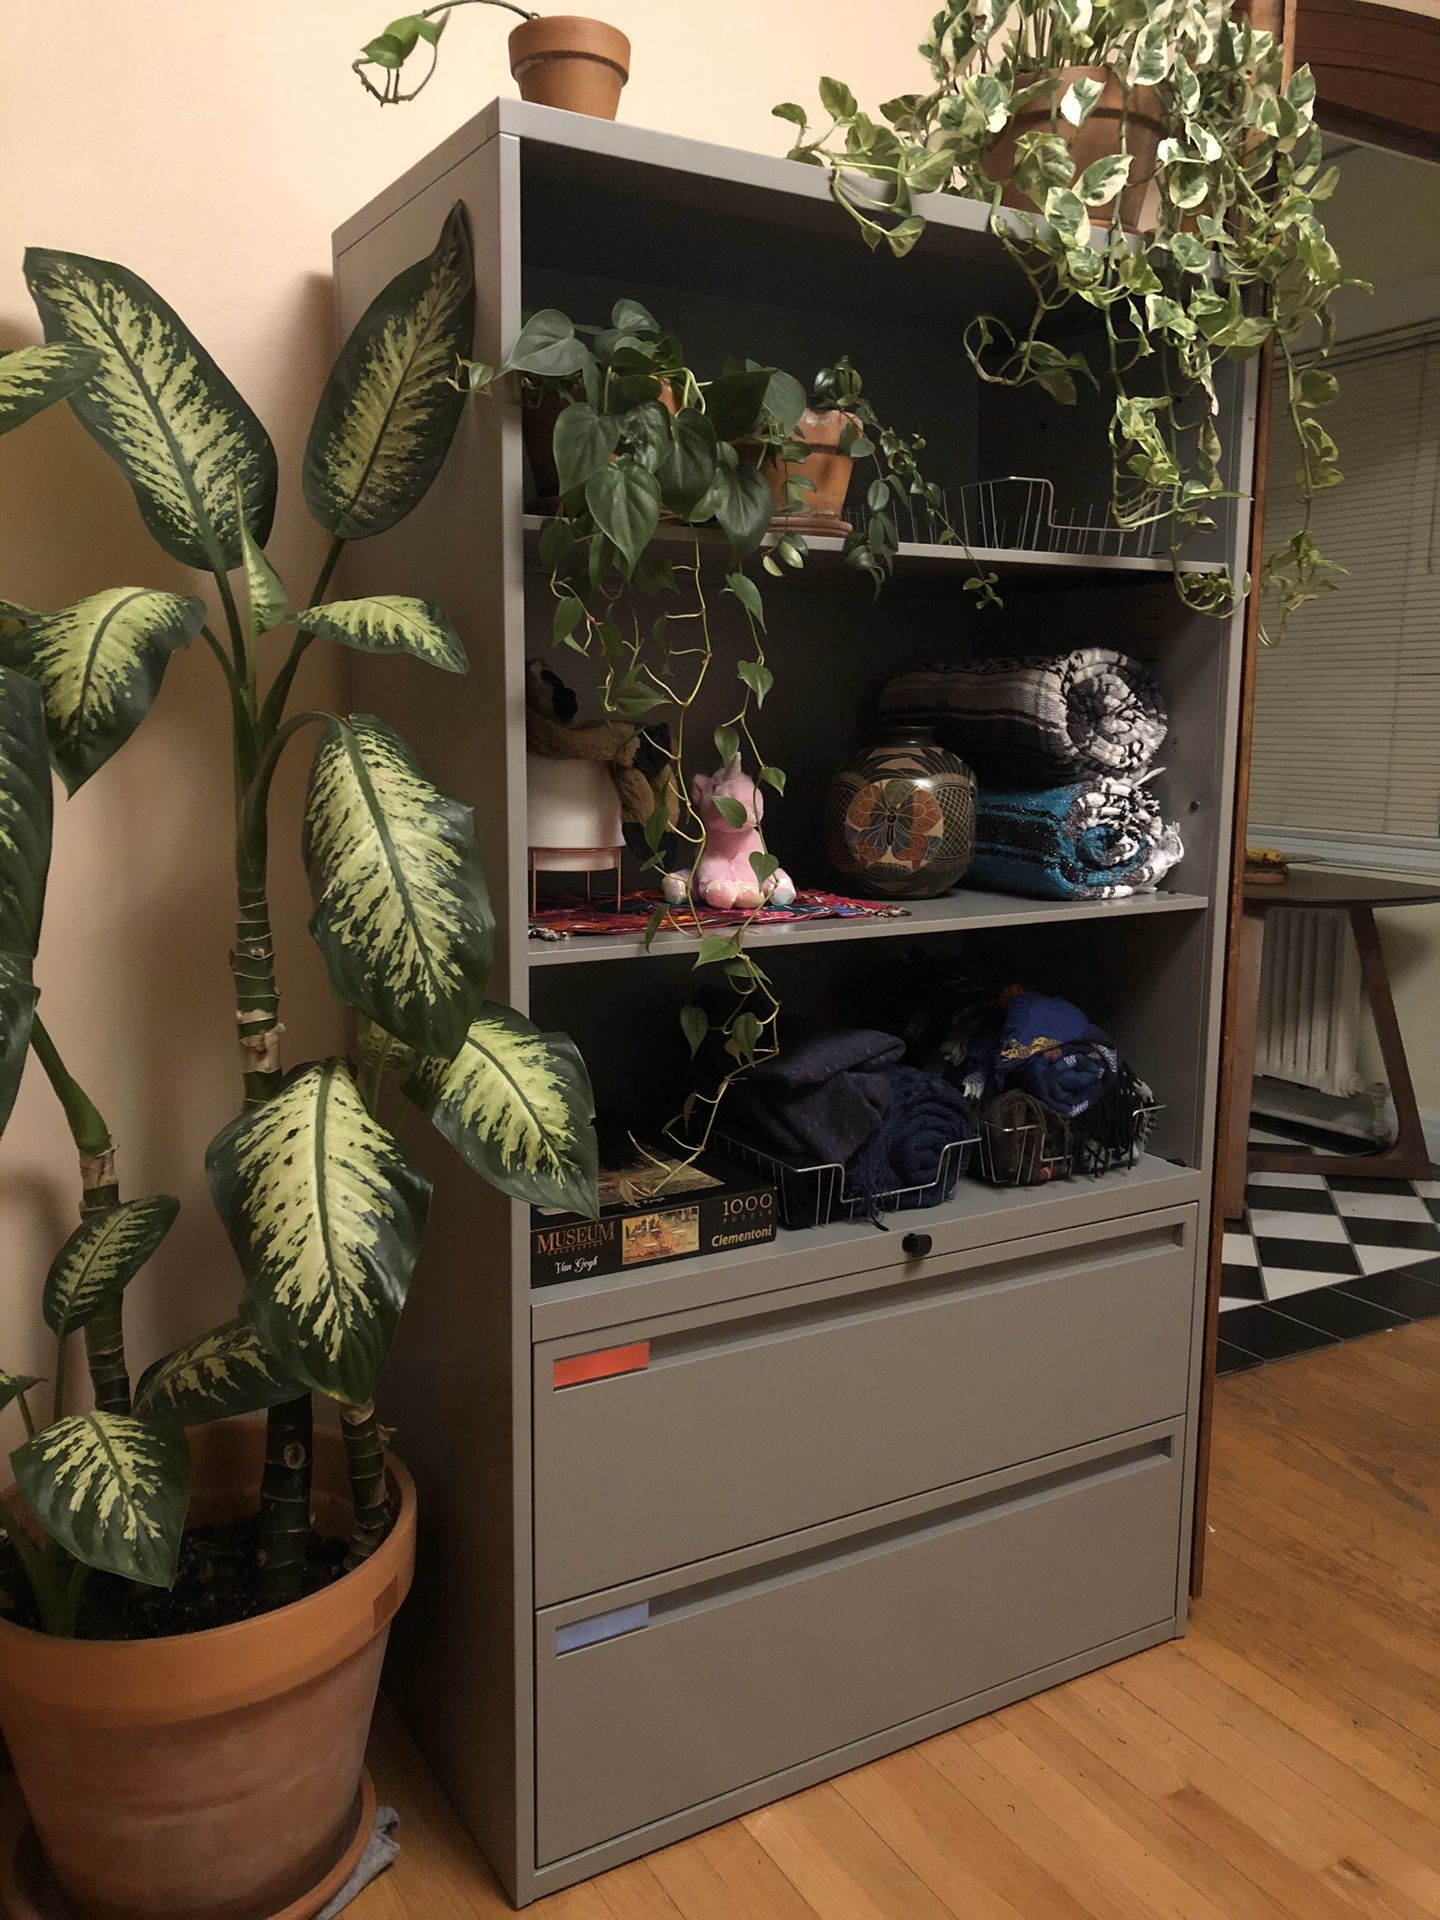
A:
{"x": 723, "y": 876}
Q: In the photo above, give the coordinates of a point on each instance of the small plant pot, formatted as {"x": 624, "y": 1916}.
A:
{"x": 217, "y": 1774}
{"x": 825, "y": 466}
{"x": 537, "y": 431}
{"x": 1113, "y": 127}
{"x": 564, "y": 60}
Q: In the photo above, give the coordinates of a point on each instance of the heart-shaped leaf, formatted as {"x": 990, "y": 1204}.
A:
{"x": 111, "y": 1490}
{"x": 402, "y": 914}
{"x": 161, "y": 408}
{"x": 34, "y": 378}
{"x": 101, "y": 1258}
{"x": 584, "y": 442}
{"x": 325, "y": 1214}
{"x": 389, "y": 623}
{"x": 99, "y": 665}
{"x": 733, "y": 402}
{"x": 624, "y": 501}
{"x": 742, "y": 503}
{"x": 687, "y": 472}
{"x": 547, "y": 347}
{"x": 225, "y": 1372}
{"x": 390, "y": 407}
{"x": 516, "y": 1106}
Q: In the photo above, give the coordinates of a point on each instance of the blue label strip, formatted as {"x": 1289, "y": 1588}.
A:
{"x": 601, "y": 1626}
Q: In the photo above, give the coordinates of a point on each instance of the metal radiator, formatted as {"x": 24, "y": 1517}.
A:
{"x": 1310, "y": 1001}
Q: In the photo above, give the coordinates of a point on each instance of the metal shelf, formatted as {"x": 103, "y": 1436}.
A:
{"x": 962, "y": 912}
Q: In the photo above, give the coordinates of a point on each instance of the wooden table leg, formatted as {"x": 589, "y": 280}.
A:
{"x": 1405, "y": 1158}
{"x": 1244, "y": 1033}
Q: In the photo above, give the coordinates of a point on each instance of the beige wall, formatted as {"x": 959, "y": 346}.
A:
{"x": 213, "y": 149}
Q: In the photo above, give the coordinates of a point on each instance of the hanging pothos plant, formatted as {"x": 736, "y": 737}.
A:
{"x": 1215, "y": 158}
{"x": 322, "y": 1205}
{"x": 669, "y": 487}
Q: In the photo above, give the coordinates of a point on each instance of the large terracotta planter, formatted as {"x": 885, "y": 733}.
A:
{"x": 825, "y": 466}
{"x": 215, "y": 1775}
{"x": 565, "y": 60}
{"x": 1113, "y": 127}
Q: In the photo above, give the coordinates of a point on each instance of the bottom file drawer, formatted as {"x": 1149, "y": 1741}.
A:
{"x": 660, "y": 1696}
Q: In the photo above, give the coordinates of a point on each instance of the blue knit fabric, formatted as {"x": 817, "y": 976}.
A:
{"x": 1096, "y": 840}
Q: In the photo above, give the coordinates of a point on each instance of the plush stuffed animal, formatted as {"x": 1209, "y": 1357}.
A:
{"x": 723, "y": 876}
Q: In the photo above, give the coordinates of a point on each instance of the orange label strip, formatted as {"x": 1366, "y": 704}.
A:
{"x": 604, "y": 1365}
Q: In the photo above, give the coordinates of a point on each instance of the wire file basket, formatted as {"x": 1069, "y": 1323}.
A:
{"x": 1018, "y": 513}
{"x": 1031, "y": 1153}
{"x": 820, "y": 1195}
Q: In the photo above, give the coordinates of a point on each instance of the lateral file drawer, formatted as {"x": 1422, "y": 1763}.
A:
{"x": 729, "y": 1677}
{"x": 674, "y": 1440}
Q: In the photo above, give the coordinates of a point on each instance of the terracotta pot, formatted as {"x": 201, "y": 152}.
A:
{"x": 826, "y": 468}
{"x": 213, "y": 1775}
{"x": 537, "y": 431}
{"x": 1099, "y": 138}
{"x": 565, "y": 60}
{"x": 900, "y": 816}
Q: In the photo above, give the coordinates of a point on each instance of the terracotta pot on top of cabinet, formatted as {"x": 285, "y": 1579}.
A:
{"x": 1112, "y": 127}
{"x": 564, "y": 60}
{"x": 216, "y": 1775}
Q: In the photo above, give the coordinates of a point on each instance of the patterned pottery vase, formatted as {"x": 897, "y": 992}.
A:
{"x": 900, "y": 817}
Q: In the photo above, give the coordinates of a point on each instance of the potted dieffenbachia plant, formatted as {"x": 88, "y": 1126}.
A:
{"x": 193, "y": 1745}
{"x": 1151, "y": 162}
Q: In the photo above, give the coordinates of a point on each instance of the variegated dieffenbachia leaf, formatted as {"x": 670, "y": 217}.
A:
{"x": 101, "y": 1258}
{"x": 26, "y": 809}
{"x": 13, "y": 616}
{"x": 402, "y": 914}
{"x": 391, "y": 406}
{"x": 34, "y": 378}
{"x": 389, "y": 623}
{"x": 516, "y": 1105}
{"x": 325, "y": 1213}
{"x": 111, "y": 1490}
{"x": 12, "y": 1385}
{"x": 99, "y": 665}
{"x": 265, "y": 596}
{"x": 161, "y": 408}
{"x": 225, "y": 1372}
{"x": 18, "y": 997}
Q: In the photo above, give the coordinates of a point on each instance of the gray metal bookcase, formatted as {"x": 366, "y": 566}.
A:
{"x": 859, "y": 1493}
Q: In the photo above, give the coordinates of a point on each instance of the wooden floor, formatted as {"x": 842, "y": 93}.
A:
{"x": 1281, "y": 1762}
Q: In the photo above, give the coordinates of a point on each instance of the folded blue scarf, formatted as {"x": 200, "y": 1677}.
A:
{"x": 1049, "y": 1050}
{"x": 926, "y": 1116}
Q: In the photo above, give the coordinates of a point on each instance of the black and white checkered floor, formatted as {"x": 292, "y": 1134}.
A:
{"x": 1321, "y": 1260}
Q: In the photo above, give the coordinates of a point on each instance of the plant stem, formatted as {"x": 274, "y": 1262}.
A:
{"x": 273, "y": 710}
{"x": 365, "y": 1457}
{"x": 99, "y": 1191}
{"x": 285, "y": 1499}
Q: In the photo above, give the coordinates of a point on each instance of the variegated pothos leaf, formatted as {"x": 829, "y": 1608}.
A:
{"x": 160, "y": 407}
{"x": 389, "y": 623}
{"x": 99, "y": 665}
{"x": 225, "y": 1372}
{"x": 111, "y": 1490}
{"x": 325, "y": 1213}
{"x": 402, "y": 914}
{"x": 391, "y": 405}
{"x": 101, "y": 1258}
{"x": 516, "y": 1105}
{"x": 34, "y": 378}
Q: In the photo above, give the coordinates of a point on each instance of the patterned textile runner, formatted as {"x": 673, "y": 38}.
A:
{"x": 562, "y": 919}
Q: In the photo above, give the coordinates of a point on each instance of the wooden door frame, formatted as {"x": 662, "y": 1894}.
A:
{"x": 1377, "y": 78}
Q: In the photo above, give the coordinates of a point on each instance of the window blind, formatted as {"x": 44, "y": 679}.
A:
{"x": 1347, "y": 708}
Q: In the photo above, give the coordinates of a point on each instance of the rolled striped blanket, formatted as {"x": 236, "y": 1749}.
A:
{"x": 1040, "y": 720}
{"x": 1094, "y": 840}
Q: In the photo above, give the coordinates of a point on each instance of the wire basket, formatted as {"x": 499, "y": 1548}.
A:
{"x": 818, "y": 1196}
{"x": 1018, "y": 513}
{"x": 1033, "y": 1153}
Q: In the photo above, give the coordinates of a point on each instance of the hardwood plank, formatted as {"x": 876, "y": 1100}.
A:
{"x": 1282, "y": 1762}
